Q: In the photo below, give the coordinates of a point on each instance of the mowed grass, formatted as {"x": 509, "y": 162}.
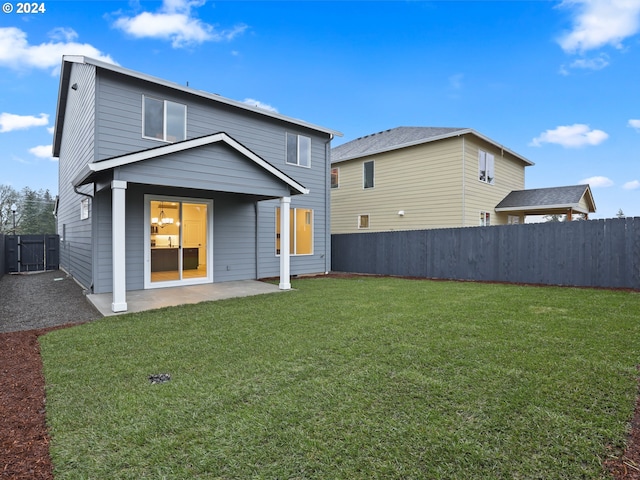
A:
{"x": 350, "y": 379}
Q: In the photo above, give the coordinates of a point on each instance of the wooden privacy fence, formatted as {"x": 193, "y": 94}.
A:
{"x": 31, "y": 253}
{"x": 594, "y": 253}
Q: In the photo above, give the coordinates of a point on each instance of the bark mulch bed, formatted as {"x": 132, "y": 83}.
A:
{"x": 24, "y": 442}
{"x": 31, "y": 305}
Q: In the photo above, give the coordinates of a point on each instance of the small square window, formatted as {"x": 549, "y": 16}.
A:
{"x": 84, "y": 209}
{"x": 363, "y": 221}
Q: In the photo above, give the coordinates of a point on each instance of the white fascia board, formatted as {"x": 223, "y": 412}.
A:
{"x": 200, "y": 93}
{"x": 182, "y": 146}
{"x": 501, "y": 147}
{"x": 574, "y": 207}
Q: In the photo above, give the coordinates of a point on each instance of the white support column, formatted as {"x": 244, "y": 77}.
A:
{"x": 285, "y": 248}
{"x": 118, "y": 188}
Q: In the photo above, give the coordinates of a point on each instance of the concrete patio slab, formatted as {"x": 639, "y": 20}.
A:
{"x": 141, "y": 300}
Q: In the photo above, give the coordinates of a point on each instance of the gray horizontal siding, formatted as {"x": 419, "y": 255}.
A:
{"x": 76, "y": 150}
{"x": 234, "y": 239}
{"x": 213, "y": 167}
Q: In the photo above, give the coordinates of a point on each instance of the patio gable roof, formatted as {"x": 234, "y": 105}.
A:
{"x": 549, "y": 201}
{"x": 91, "y": 170}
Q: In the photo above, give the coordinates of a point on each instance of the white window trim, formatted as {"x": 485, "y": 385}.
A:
{"x": 84, "y": 209}
{"x": 484, "y": 216}
{"x": 368, "y": 221}
{"x": 486, "y": 155}
{"x": 292, "y": 225}
{"x": 298, "y": 137}
{"x": 364, "y": 176}
{"x": 164, "y": 120}
{"x": 337, "y": 169}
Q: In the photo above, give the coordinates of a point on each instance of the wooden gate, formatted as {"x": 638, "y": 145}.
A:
{"x": 32, "y": 253}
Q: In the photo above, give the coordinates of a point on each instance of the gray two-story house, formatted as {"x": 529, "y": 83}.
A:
{"x": 165, "y": 185}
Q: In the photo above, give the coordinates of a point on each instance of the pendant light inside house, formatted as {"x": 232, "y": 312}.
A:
{"x": 162, "y": 218}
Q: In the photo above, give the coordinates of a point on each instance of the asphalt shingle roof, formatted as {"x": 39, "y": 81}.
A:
{"x": 389, "y": 140}
{"x": 544, "y": 197}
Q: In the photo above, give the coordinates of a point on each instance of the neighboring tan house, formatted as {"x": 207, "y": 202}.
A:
{"x": 164, "y": 185}
{"x": 410, "y": 178}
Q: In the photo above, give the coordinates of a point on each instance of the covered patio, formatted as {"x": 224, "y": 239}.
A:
{"x": 141, "y": 300}
{"x": 569, "y": 200}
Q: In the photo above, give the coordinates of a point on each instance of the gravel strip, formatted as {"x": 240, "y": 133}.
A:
{"x": 42, "y": 300}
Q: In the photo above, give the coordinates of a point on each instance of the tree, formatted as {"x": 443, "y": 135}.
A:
{"x": 554, "y": 218}
{"x": 34, "y": 212}
{"x": 620, "y": 214}
{"x": 8, "y": 197}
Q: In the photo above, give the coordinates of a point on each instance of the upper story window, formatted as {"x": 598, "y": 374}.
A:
{"x": 163, "y": 120}
{"x": 298, "y": 150}
{"x": 335, "y": 177}
{"x": 486, "y": 172}
{"x": 367, "y": 174}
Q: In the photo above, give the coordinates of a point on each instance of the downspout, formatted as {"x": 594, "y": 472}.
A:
{"x": 463, "y": 181}
{"x": 255, "y": 209}
{"x": 75, "y": 189}
{"x": 327, "y": 206}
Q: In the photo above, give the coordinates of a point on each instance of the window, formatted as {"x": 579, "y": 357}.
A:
{"x": 485, "y": 167}
{"x": 335, "y": 175}
{"x": 363, "y": 221}
{"x": 367, "y": 174}
{"x": 84, "y": 209}
{"x": 513, "y": 220}
{"x": 298, "y": 150}
{"x": 164, "y": 120}
{"x": 485, "y": 219}
{"x": 300, "y": 231}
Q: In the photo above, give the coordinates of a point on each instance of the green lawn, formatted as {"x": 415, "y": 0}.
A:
{"x": 350, "y": 379}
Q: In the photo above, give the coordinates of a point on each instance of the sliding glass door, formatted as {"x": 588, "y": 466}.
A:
{"x": 178, "y": 246}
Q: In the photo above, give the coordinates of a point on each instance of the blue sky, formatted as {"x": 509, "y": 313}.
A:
{"x": 555, "y": 81}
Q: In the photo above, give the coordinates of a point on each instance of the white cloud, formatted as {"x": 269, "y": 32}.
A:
{"x": 596, "y": 182}
{"x": 597, "y": 63}
{"x": 18, "y": 54}
{"x": 632, "y": 185}
{"x": 10, "y": 122}
{"x": 174, "y": 21}
{"x": 634, "y": 123}
{"x": 571, "y": 136}
{"x": 259, "y": 104}
{"x": 597, "y": 23}
{"x": 42, "y": 151}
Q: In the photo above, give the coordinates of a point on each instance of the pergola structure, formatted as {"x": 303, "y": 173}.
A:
{"x": 550, "y": 201}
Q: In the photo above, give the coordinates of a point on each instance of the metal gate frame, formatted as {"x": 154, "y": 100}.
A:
{"x": 32, "y": 253}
